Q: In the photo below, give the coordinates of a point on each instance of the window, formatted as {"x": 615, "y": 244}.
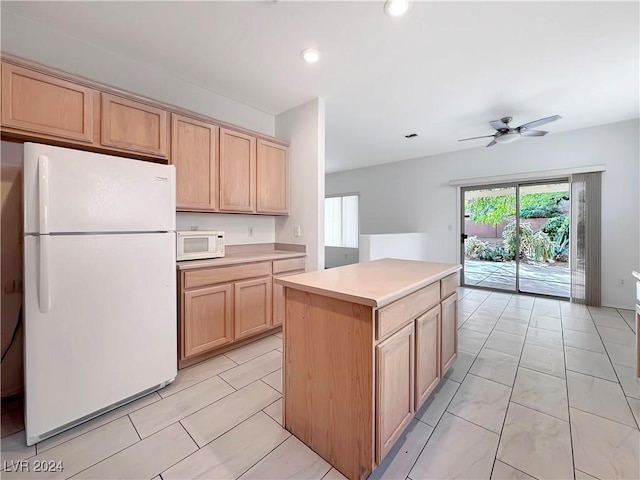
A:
{"x": 341, "y": 221}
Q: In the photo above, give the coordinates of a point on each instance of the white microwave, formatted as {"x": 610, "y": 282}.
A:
{"x": 196, "y": 245}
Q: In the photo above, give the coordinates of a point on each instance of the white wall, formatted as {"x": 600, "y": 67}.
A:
{"x": 304, "y": 128}
{"x": 415, "y": 195}
{"x": 406, "y": 246}
{"x": 235, "y": 226}
{"x": 35, "y": 41}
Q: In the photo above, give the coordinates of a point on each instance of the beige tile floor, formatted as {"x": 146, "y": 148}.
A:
{"x": 540, "y": 389}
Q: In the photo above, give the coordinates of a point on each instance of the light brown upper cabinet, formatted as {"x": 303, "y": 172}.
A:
{"x": 194, "y": 152}
{"x": 43, "y": 104}
{"x": 272, "y": 178}
{"x": 237, "y": 172}
{"x": 134, "y": 127}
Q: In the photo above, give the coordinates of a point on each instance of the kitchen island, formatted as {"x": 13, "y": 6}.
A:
{"x": 364, "y": 347}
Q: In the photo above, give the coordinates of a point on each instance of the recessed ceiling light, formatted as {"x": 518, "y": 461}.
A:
{"x": 310, "y": 55}
{"x": 396, "y": 8}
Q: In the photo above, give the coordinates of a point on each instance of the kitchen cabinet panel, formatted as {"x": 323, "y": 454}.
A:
{"x": 207, "y": 321}
{"x": 449, "y": 342}
{"x": 194, "y": 152}
{"x": 133, "y": 126}
{"x": 427, "y": 354}
{"x": 278, "y": 297}
{"x": 237, "y": 172}
{"x": 272, "y": 178}
{"x": 252, "y": 306}
{"x": 44, "y": 104}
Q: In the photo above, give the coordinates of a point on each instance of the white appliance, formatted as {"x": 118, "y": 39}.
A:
{"x": 195, "y": 245}
{"x": 100, "y": 284}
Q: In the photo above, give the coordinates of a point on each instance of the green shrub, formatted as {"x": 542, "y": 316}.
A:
{"x": 477, "y": 249}
{"x": 533, "y": 245}
{"x": 474, "y": 247}
{"x": 558, "y": 230}
{"x": 495, "y": 253}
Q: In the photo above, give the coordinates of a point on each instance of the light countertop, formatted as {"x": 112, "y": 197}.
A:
{"x": 375, "y": 283}
{"x": 245, "y": 254}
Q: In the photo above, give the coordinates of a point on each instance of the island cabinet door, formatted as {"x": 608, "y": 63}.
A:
{"x": 252, "y": 306}
{"x": 427, "y": 354}
{"x": 395, "y": 361}
{"x": 449, "y": 344}
{"x": 207, "y": 319}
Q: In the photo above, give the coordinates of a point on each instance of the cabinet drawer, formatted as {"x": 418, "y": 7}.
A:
{"x": 402, "y": 311}
{"x": 448, "y": 285}
{"x": 210, "y": 276}
{"x": 288, "y": 265}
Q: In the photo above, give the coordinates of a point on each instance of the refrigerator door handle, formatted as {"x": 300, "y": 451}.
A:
{"x": 44, "y": 298}
{"x": 43, "y": 193}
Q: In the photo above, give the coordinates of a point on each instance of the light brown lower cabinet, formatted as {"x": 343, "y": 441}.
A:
{"x": 207, "y": 321}
{"x": 221, "y": 306}
{"x": 252, "y": 306}
{"x": 395, "y": 360}
{"x": 449, "y": 331}
{"x": 427, "y": 354}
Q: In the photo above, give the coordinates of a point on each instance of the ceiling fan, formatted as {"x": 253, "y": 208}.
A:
{"x": 506, "y": 134}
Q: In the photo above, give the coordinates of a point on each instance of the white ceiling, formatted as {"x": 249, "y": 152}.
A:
{"x": 443, "y": 71}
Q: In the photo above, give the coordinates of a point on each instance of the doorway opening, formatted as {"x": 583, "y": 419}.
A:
{"x": 515, "y": 237}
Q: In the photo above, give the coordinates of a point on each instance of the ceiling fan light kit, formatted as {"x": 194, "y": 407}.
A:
{"x": 507, "y": 137}
{"x": 506, "y": 134}
{"x": 396, "y": 8}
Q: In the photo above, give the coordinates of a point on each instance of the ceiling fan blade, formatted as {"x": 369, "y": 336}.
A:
{"x": 473, "y": 138}
{"x": 537, "y": 123}
{"x": 497, "y": 124}
{"x": 533, "y": 133}
{"x": 492, "y": 143}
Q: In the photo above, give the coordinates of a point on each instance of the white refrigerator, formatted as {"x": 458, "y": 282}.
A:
{"x": 100, "y": 284}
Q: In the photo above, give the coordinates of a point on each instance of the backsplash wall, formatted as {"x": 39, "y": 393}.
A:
{"x": 235, "y": 226}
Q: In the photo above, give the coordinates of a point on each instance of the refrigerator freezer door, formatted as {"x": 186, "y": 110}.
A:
{"x": 71, "y": 191}
{"x": 110, "y": 329}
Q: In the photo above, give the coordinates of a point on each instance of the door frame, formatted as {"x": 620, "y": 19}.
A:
{"x": 517, "y": 184}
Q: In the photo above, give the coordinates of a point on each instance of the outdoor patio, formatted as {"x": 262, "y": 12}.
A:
{"x": 545, "y": 279}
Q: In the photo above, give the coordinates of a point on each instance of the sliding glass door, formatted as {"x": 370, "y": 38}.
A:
{"x": 486, "y": 213}
{"x": 515, "y": 237}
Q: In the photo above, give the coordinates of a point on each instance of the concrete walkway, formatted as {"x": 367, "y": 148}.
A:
{"x": 541, "y": 278}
